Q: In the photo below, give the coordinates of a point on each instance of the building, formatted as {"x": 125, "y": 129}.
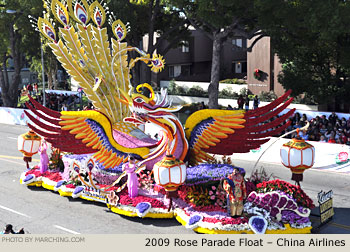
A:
{"x": 192, "y": 60}
{"x": 263, "y": 60}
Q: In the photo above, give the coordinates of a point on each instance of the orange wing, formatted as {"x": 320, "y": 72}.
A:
{"x": 225, "y": 132}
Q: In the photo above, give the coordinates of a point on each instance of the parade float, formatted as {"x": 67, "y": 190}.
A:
{"x": 103, "y": 155}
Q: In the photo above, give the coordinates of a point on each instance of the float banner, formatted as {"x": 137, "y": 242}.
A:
{"x": 174, "y": 242}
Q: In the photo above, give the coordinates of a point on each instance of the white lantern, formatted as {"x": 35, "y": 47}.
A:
{"x": 29, "y": 143}
{"x": 298, "y": 156}
{"x": 169, "y": 173}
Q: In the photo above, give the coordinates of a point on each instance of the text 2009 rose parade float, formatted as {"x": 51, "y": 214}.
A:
{"x": 101, "y": 155}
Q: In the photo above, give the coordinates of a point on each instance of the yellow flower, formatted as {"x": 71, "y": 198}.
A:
{"x": 157, "y": 63}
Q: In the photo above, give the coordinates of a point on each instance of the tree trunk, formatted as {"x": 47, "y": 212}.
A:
{"x": 49, "y": 81}
{"x": 213, "y": 88}
{"x": 10, "y": 97}
{"x": 54, "y": 79}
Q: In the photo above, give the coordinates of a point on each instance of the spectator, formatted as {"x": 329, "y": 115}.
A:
{"x": 331, "y": 139}
{"x": 30, "y": 89}
{"x": 332, "y": 118}
{"x": 36, "y": 89}
{"x": 246, "y": 103}
{"x": 64, "y": 107}
{"x": 256, "y": 102}
{"x": 9, "y": 230}
{"x": 240, "y": 102}
{"x": 229, "y": 107}
{"x": 323, "y": 139}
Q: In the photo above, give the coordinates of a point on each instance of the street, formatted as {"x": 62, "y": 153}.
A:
{"x": 40, "y": 211}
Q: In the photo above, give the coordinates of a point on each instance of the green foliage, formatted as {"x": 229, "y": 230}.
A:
{"x": 267, "y": 96}
{"x": 312, "y": 42}
{"x": 228, "y": 93}
{"x": 233, "y": 81}
{"x": 197, "y": 91}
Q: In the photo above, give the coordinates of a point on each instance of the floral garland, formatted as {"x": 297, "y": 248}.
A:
{"x": 257, "y": 74}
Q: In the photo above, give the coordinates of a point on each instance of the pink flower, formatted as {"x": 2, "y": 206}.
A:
{"x": 212, "y": 197}
{"x": 213, "y": 187}
{"x": 210, "y": 192}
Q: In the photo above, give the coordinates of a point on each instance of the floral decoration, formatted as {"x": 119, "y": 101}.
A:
{"x": 258, "y": 224}
{"x": 143, "y": 208}
{"x": 295, "y": 191}
{"x": 257, "y": 74}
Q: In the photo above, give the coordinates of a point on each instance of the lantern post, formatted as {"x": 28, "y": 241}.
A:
{"x": 28, "y": 143}
{"x": 170, "y": 173}
{"x": 297, "y": 155}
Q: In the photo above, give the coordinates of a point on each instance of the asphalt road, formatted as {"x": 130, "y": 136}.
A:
{"x": 41, "y": 211}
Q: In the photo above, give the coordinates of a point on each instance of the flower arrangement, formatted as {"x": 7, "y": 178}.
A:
{"x": 146, "y": 180}
{"x": 208, "y": 172}
{"x": 295, "y": 191}
{"x": 56, "y": 159}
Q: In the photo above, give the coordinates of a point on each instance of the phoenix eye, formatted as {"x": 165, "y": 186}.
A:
{"x": 139, "y": 100}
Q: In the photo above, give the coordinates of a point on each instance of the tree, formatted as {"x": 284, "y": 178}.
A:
{"x": 312, "y": 40}
{"x": 150, "y": 17}
{"x": 219, "y": 20}
{"x": 16, "y": 36}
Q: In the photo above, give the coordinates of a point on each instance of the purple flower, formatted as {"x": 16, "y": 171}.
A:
{"x": 208, "y": 172}
{"x": 78, "y": 189}
{"x": 28, "y": 178}
{"x": 274, "y": 199}
{"x": 194, "y": 219}
{"x": 282, "y": 202}
{"x": 258, "y": 224}
{"x": 60, "y": 183}
{"x": 143, "y": 206}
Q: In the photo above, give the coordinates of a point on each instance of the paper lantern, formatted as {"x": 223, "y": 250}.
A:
{"x": 297, "y": 155}
{"x": 29, "y": 143}
{"x": 169, "y": 173}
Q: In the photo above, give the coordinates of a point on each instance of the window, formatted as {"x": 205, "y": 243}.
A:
{"x": 185, "y": 70}
{"x": 174, "y": 71}
{"x": 239, "y": 67}
{"x": 239, "y": 43}
{"x": 185, "y": 48}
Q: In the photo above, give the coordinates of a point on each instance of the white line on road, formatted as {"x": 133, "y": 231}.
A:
{"x": 14, "y": 138}
{"x": 13, "y": 211}
{"x": 66, "y": 229}
{"x": 14, "y": 162}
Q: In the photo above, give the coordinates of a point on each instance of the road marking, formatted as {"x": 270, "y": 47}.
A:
{"x": 66, "y": 229}
{"x": 340, "y": 225}
{"x": 14, "y": 138}
{"x": 13, "y": 211}
{"x": 14, "y": 162}
{"x": 16, "y": 157}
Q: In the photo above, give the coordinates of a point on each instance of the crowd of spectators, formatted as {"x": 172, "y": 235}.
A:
{"x": 331, "y": 130}
{"x": 54, "y": 100}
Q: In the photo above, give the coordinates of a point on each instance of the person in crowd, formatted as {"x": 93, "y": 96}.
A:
{"x": 331, "y": 139}
{"x": 229, "y": 107}
{"x": 9, "y": 230}
{"x": 30, "y": 89}
{"x": 64, "y": 107}
{"x": 240, "y": 102}
{"x": 246, "y": 103}
{"x": 256, "y": 102}
{"x": 323, "y": 139}
{"x": 35, "y": 89}
{"x": 333, "y": 118}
